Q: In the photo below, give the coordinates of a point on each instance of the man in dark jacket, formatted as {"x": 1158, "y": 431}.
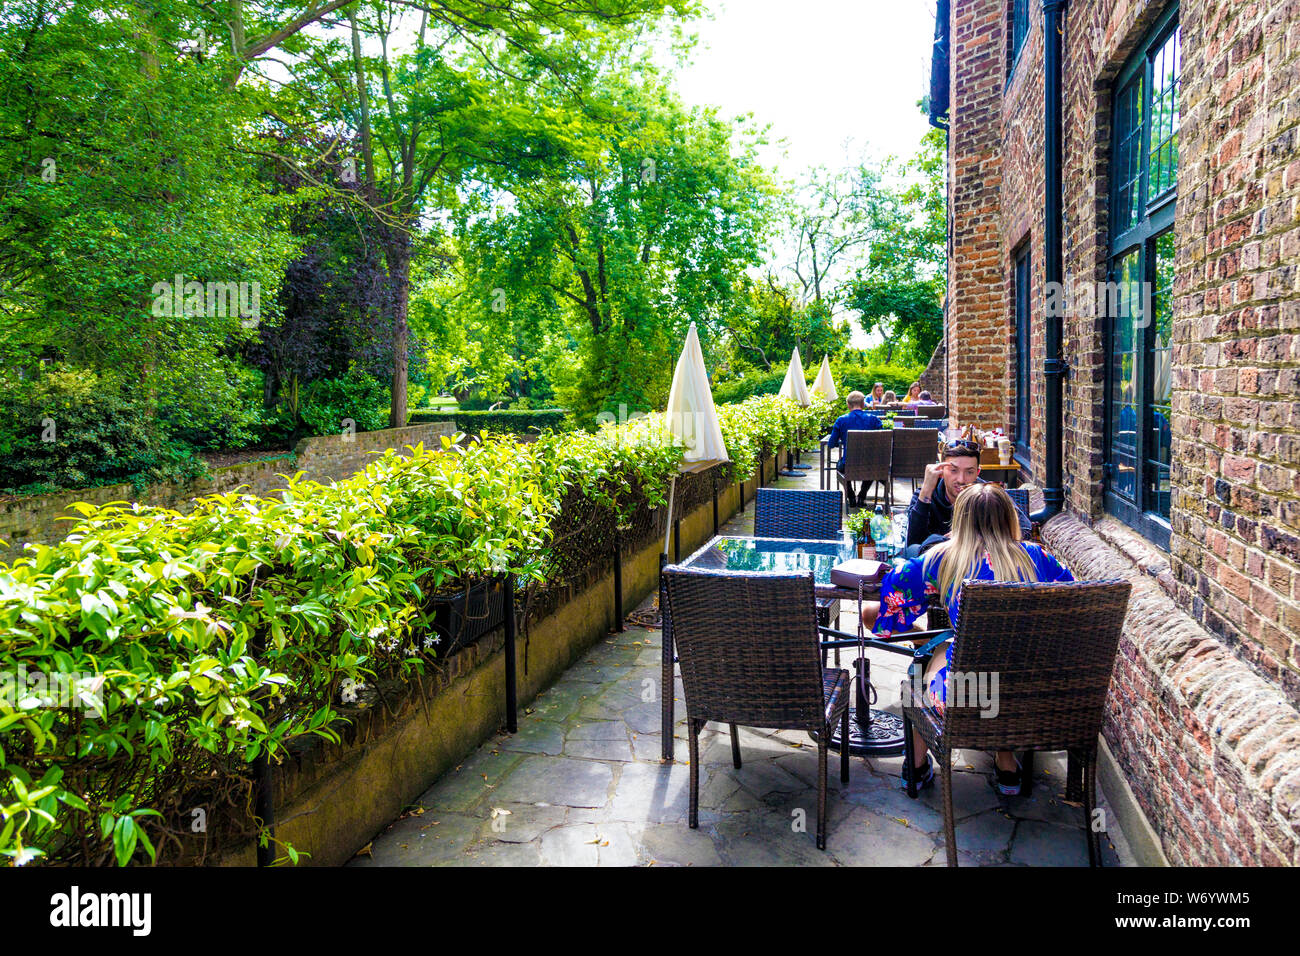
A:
{"x": 857, "y": 419}
{"x": 929, "y": 516}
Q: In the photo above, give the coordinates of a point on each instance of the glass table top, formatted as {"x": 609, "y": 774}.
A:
{"x": 774, "y": 554}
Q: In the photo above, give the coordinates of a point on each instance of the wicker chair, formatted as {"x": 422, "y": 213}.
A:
{"x": 867, "y": 456}
{"x": 1051, "y": 647}
{"x": 748, "y": 646}
{"x": 789, "y": 513}
{"x": 806, "y": 515}
{"x": 913, "y": 450}
{"x": 1020, "y": 498}
{"x": 932, "y": 411}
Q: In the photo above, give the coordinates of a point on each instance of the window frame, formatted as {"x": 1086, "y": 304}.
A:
{"x": 1154, "y": 219}
{"x": 1022, "y": 311}
{"x": 1014, "y": 49}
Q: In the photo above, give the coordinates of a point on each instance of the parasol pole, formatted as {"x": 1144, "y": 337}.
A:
{"x": 668, "y": 525}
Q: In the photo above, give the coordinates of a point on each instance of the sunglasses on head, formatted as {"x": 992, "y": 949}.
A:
{"x": 961, "y": 445}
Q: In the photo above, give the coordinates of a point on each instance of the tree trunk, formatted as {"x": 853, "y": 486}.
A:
{"x": 399, "y": 271}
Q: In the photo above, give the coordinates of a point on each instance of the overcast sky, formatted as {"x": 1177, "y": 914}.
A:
{"x": 820, "y": 71}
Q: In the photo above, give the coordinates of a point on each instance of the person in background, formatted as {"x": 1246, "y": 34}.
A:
{"x": 922, "y": 398}
{"x": 926, "y": 399}
{"x": 877, "y": 394}
{"x": 856, "y": 419}
{"x": 929, "y": 516}
{"x": 985, "y": 545}
{"x": 890, "y": 399}
{"x": 914, "y": 392}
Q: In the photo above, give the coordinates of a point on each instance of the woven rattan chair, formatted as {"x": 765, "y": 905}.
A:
{"x": 914, "y": 448}
{"x": 804, "y": 515}
{"x": 1020, "y": 498}
{"x": 790, "y": 513}
{"x": 932, "y": 411}
{"x": 867, "y": 456}
{"x": 1051, "y": 648}
{"x": 748, "y": 648}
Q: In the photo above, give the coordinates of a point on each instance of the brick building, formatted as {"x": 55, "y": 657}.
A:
{"x": 1178, "y": 259}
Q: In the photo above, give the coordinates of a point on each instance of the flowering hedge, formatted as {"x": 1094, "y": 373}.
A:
{"x": 148, "y": 657}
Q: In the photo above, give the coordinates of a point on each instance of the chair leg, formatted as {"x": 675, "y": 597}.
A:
{"x": 844, "y": 746}
{"x": 1027, "y": 773}
{"x": 693, "y": 732}
{"x": 735, "y": 747}
{"x": 949, "y": 829}
{"x": 909, "y": 756}
{"x": 821, "y": 790}
{"x": 1089, "y": 803}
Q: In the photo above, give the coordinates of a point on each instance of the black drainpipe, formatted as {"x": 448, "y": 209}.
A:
{"x": 1054, "y": 364}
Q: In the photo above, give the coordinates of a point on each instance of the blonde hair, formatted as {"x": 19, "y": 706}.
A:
{"x": 855, "y": 400}
{"x": 890, "y": 398}
{"x": 984, "y": 526}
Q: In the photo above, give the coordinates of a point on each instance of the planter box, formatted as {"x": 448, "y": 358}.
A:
{"x": 462, "y": 617}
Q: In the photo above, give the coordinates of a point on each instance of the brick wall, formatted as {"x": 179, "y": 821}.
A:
{"x": 976, "y": 307}
{"x": 43, "y": 518}
{"x": 1232, "y": 572}
{"x": 936, "y": 373}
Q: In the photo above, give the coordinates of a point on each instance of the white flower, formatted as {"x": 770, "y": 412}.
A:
{"x": 348, "y": 692}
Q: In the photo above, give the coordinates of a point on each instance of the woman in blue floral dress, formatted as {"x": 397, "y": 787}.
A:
{"x": 984, "y": 545}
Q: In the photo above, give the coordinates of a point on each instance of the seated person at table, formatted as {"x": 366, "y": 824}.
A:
{"x": 857, "y": 419}
{"x": 985, "y": 546}
{"x": 877, "y": 396}
{"x": 929, "y": 516}
{"x": 890, "y": 398}
{"x": 913, "y": 393}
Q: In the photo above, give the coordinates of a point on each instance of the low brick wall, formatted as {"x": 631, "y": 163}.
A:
{"x": 43, "y": 518}
{"x": 1210, "y": 748}
{"x": 331, "y": 799}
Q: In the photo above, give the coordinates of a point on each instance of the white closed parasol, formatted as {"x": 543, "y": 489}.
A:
{"x": 691, "y": 418}
{"x": 825, "y": 383}
{"x": 794, "y": 385}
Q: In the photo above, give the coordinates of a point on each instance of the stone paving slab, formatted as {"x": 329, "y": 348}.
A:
{"x": 582, "y": 784}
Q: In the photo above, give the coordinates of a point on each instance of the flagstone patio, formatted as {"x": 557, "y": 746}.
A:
{"x": 582, "y": 784}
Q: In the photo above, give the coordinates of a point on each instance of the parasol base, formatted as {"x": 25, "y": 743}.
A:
{"x": 884, "y": 737}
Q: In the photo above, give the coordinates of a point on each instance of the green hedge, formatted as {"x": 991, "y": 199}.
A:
{"x": 505, "y": 421}
{"x": 847, "y": 378}
{"x": 174, "y": 627}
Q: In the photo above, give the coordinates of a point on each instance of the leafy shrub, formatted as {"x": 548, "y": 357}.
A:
{"x": 847, "y": 378}
{"x": 72, "y": 427}
{"x": 212, "y": 637}
{"x": 754, "y": 383}
{"x": 358, "y": 396}
{"x": 512, "y": 421}
{"x": 896, "y": 378}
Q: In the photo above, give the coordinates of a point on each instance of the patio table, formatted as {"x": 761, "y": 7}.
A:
{"x": 881, "y": 733}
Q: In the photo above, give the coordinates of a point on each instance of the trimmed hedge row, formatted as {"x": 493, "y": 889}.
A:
{"x": 504, "y": 421}
{"x": 174, "y": 649}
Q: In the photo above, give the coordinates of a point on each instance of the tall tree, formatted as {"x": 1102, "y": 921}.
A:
{"x": 899, "y": 290}
{"x": 641, "y": 225}
{"x": 463, "y": 98}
